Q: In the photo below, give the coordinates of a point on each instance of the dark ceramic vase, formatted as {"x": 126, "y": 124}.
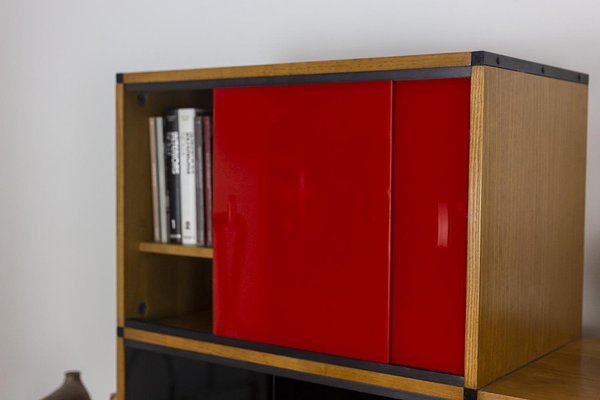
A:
{"x": 71, "y": 389}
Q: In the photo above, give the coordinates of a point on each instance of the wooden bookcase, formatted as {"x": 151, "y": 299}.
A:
{"x": 524, "y": 197}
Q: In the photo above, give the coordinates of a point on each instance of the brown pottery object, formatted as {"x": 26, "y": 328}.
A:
{"x": 71, "y": 389}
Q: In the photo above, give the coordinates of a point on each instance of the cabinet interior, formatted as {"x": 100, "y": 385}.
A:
{"x": 167, "y": 289}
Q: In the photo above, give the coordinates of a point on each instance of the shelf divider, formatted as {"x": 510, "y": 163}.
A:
{"x": 176, "y": 250}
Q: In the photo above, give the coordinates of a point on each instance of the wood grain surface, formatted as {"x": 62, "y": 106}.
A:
{"x": 570, "y": 373}
{"x": 176, "y": 250}
{"x": 527, "y": 192}
{"x": 120, "y": 369}
{"x": 120, "y": 209}
{"x": 437, "y": 390}
{"x": 306, "y": 68}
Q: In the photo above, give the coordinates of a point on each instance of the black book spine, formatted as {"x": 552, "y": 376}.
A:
{"x": 172, "y": 175}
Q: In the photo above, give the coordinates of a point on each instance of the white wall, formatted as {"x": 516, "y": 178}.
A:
{"x": 58, "y": 61}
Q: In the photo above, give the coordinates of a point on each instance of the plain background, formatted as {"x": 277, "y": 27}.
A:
{"x": 58, "y": 61}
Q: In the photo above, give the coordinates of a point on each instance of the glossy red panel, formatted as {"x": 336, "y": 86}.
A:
{"x": 302, "y": 186}
{"x": 431, "y": 155}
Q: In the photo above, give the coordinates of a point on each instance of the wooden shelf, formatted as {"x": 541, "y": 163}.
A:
{"x": 199, "y": 322}
{"x": 216, "y": 348}
{"x": 176, "y": 250}
{"x": 569, "y": 373}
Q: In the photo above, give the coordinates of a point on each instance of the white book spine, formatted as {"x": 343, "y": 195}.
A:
{"x": 162, "y": 184}
{"x": 154, "y": 181}
{"x": 187, "y": 159}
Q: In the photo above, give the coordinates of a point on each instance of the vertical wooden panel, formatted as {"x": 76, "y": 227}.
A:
{"x": 120, "y": 369}
{"x": 473, "y": 230}
{"x": 526, "y": 236}
{"x": 120, "y": 210}
{"x": 120, "y": 244}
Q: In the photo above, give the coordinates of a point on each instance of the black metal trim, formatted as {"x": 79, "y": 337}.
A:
{"x": 119, "y": 78}
{"x": 397, "y": 75}
{"x": 516, "y": 64}
{"x": 281, "y": 372}
{"x": 120, "y": 331}
{"x": 420, "y": 374}
{"x": 470, "y": 394}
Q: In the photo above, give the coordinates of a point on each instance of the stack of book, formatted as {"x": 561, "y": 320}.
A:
{"x": 181, "y": 162}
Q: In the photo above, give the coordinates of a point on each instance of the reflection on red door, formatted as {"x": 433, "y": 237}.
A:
{"x": 431, "y": 153}
{"x": 302, "y": 204}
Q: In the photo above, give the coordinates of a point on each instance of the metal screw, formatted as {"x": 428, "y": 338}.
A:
{"x": 142, "y": 309}
{"x": 141, "y": 99}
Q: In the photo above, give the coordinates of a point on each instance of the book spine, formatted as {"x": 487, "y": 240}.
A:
{"x": 172, "y": 176}
{"x": 200, "y": 210}
{"x": 154, "y": 180}
{"x": 162, "y": 186}
{"x": 187, "y": 177}
{"x": 208, "y": 177}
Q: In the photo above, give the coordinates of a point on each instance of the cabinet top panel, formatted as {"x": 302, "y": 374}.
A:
{"x": 443, "y": 61}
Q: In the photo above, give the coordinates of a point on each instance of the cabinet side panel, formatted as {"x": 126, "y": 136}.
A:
{"x": 120, "y": 206}
{"x": 431, "y": 155}
{"x": 120, "y": 369}
{"x": 302, "y": 216}
{"x": 532, "y": 215}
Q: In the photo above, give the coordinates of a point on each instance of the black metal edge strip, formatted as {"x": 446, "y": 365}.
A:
{"x": 285, "y": 373}
{"x": 407, "y": 74}
{"x": 516, "y": 64}
{"x": 120, "y": 331}
{"x": 470, "y": 394}
{"x": 119, "y": 78}
{"x": 407, "y": 372}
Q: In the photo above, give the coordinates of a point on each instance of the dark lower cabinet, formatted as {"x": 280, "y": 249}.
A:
{"x": 156, "y": 376}
{"x": 290, "y": 389}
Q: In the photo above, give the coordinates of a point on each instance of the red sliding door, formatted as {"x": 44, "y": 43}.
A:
{"x": 431, "y": 155}
{"x": 302, "y": 216}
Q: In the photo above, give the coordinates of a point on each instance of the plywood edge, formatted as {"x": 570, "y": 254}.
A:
{"x": 120, "y": 206}
{"x": 120, "y": 369}
{"x": 400, "y": 383}
{"x": 474, "y": 228}
{"x": 176, "y": 250}
{"x": 495, "y": 396}
{"x": 444, "y": 60}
